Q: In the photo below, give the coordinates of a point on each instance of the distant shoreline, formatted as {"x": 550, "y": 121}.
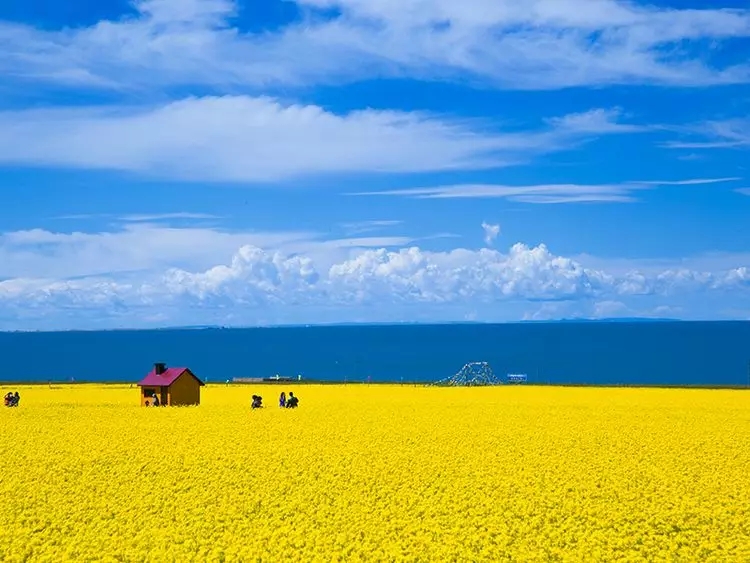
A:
{"x": 38, "y": 383}
{"x": 623, "y": 320}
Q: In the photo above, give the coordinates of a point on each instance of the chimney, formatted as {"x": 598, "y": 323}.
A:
{"x": 160, "y": 368}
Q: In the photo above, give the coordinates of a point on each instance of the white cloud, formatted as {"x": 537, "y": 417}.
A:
{"x": 524, "y": 272}
{"x": 413, "y": 274}
{"x": 145, "y": 217}
{"x": 491, "y": 232}
{"x": 729, "y": 134}
{"x": 588, "y": 310}
{"x": 551, "y": 310}
{"x": 541, "y": 194}
{"x": 600, "y": 310}
{"x": 138, "y": 247}
{"x": 693, "y": 182}
{"x": 149, "y": 248}
{"x": 610, "y": 309}
{"x": 533, "y": 44}
{"x": 141, "y": 217}
{"x": 358, "y": 227}
{"x": 240, "y": 138}
{"x": 555, "y": 193}
{"x": 57, "y": 278}
{"x": 253, "y": 277}
{"x": 596, "y": 121}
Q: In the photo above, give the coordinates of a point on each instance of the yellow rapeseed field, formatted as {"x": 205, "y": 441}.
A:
{"x": 377, "y": 473}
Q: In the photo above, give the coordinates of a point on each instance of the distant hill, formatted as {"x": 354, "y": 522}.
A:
{"x": 613, "y": 320}
{"x": 622, "y": 320}
{"x": 445, "y": 323}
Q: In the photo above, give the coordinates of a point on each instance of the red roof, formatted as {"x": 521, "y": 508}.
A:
{"x": 169, "y": 376}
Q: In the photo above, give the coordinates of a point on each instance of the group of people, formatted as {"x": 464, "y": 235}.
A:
{"x": 12, "y": 399}
{"x": 284, "y": 402}
{"x": 290, "y": 403}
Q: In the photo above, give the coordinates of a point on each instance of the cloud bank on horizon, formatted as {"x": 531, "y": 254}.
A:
{"x": 211, "y": 161}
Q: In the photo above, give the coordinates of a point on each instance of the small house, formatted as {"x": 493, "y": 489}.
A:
{"x": 171, "y": 386}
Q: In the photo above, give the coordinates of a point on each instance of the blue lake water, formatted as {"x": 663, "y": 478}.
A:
{"x": 658, "y": 353}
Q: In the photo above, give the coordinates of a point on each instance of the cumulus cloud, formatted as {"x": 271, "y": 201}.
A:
{"x": 342, "y": 282}
{"x": 413, "y": 274}
{"x": 242, "y": 138}
{"x": 491, "y": 232}
{"x": 253, "y": 277}
{"x": 533, "y": 45}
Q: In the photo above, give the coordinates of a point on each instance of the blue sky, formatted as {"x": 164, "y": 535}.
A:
{"x": 168, "y": 162}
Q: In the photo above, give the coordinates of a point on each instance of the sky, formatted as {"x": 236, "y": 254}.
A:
{"x": 243, "y": 163}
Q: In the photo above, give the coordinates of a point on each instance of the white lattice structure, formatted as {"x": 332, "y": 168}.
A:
{"x": 473, "y": 373}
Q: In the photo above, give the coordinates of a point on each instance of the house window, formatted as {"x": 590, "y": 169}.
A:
{"x": 149, "y": 392}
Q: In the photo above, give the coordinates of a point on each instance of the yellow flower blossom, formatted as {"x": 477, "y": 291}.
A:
{"x": 377, "y": 473}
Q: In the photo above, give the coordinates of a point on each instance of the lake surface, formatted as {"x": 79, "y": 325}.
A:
{"x": 658, "y": 353}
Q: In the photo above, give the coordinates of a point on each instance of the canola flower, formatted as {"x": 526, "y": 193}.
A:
{"x": 377, "y": 473}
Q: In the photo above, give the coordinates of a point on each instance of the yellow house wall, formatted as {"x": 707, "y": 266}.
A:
{"x": 185, "y": 390}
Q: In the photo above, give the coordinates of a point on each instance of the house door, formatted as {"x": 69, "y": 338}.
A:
{"x": 163, "y": 395}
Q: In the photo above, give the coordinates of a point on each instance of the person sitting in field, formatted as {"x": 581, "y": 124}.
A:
{"x": 282, "y": 400}
{"x": 12, "y": 399}
{"x": 292, "y": 401}
{"x": 257, "y": 402}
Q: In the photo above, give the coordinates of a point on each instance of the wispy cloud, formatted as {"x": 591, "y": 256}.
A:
{"x": 729, "y": 134}
{"x": 695, "y": 182}
{"x": 542, "y": 194}
{"x": 143, "y": 218}
{"x": 598, "y": 121}
{"x": 366, "y": 242}
{"x": 245, "y": 139}
{"x": 82, "y": 216}
{"x": 138, "y": 218}
{"x": 690, "y": 157}
{"x": 368, "y": 226}
{"x": 136, "y": 247}
{"x": 536, "y": 44}
{"x": 151, "y": 246}
{"x": 555, "y": 193}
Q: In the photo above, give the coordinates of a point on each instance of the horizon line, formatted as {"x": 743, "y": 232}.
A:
{"x": 573, "y": 320}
